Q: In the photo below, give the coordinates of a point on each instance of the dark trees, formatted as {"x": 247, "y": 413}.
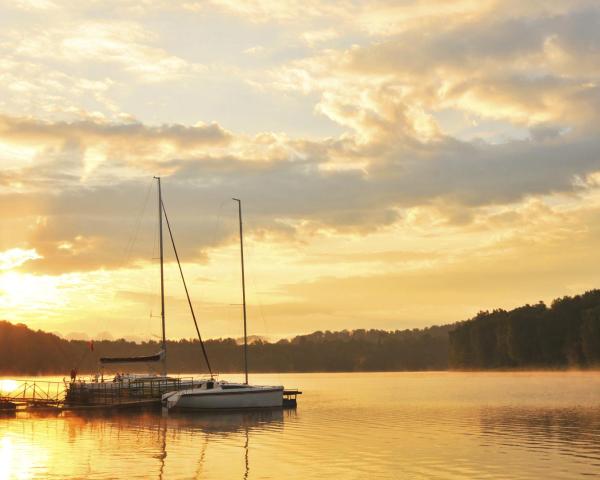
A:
{"x": 565, "y": 335}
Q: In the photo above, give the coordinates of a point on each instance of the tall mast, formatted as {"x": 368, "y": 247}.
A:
{"x": 243, "y": 289}
{"x": 162, "y": 280}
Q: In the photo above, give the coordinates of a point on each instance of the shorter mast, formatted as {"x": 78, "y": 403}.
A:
{"x": 239, "y": 202}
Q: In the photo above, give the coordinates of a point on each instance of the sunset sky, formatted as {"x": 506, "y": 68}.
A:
{"x": 400, "y": 163}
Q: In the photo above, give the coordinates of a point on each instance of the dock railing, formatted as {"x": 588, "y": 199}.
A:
{"x": 35, "y": 393}
{"x": 81, "y": 393}
{"x": 128, "y": 391}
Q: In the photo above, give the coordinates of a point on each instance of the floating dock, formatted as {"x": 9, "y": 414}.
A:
{"x": 38, "y": 395}
{"x": 79, "y": 395}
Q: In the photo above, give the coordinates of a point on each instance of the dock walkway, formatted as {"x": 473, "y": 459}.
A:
{"x": 80, "y": 395}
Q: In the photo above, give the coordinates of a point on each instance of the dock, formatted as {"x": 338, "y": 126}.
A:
{"x": 33, "y": 394}
{"x": 290, "y": 397}
{"x": 80, "y": 395}
{"x": 42, "y": 395}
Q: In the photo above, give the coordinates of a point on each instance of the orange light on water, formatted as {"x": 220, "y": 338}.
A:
{"x": 19, "y": 460}
{"x": 6, "y": 452}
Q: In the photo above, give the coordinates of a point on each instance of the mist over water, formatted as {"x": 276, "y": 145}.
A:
{"x": 351, "y": 425}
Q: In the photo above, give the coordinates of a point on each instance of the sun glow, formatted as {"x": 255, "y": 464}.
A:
{"x": 7, "y": 386}
{"x": 15, "y": 155}
{"x": 15, "y": 257}
{"x": 31, "y": 292}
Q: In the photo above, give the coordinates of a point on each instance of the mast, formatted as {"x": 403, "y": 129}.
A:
{"x": 243, "y": 289}
{"x": 162, "y": 280}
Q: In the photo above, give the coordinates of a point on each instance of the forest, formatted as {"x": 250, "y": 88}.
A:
{"x": 564, "y": 335}
{"x": 27, "y": 352}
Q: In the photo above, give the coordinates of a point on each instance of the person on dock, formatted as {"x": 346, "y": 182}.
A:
{"x": 73, "y": 374}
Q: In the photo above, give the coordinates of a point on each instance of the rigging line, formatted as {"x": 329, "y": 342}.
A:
{"x": 252, "y": 280}
{"x": 186, "y": 289}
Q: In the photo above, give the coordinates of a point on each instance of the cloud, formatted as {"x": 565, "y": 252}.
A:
{"x": 540, "y": 68}
{"x": 257, "y": 49}
{"x": 71, "y": 64}
{"x": 270, "y": 10}
{"x": 33, "y": 4}
{"x": 123, "y": 43}
{"x": 315, "y": 37}
{"x": 15, "y": 257}
{"x": 515, "y": 254}
{"x": 116, "y": 143}
{"x": 88, "y": 179}
{"x": 466, "y": 138}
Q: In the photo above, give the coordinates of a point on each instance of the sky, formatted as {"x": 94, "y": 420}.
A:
{"x": 400, "y": 163}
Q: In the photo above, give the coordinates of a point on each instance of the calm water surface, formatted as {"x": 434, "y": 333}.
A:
{"x": 365, "y": 425}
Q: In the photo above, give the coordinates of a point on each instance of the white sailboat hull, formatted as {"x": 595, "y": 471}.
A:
{"x": 203, "y": 399}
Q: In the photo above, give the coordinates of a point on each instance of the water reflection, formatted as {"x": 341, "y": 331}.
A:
{"x": 133, "y": 445}
{"x": 224, "y": 422}
{"x": 425, "y": 425}
{"x": 247, "y": 471}
{"x": 569, "y": 432}
{"x": 216, "y": 424}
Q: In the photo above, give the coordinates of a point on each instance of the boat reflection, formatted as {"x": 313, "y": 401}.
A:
{"x": 224, "y": 421}
{"x": 139, "y": 444}
{"x": 247, "y": 471}
{"x": 214, "y": 425}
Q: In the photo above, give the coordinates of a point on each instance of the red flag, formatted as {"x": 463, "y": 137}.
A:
{"x": 92, "y": 345}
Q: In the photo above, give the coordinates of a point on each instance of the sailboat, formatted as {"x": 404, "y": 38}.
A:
{"x": 148, "y": 385}
{"x": 219, "y": 394}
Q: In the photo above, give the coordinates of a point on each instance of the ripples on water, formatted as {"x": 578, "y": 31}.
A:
{"x": 365, "y": 425}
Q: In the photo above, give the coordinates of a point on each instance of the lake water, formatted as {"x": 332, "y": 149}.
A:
{"x": 352, "y": 425}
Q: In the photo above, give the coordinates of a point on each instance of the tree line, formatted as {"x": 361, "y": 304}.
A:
{"x": 27, "y": 352}
{"x": 566, "y": 334}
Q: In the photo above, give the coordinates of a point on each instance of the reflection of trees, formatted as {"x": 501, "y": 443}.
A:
{"x": 539, "y": 428}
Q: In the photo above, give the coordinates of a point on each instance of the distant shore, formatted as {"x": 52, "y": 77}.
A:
{"x": 562, "y": 337}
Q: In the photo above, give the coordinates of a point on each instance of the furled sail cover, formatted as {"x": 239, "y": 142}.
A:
{"x": 147, "y": 358}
